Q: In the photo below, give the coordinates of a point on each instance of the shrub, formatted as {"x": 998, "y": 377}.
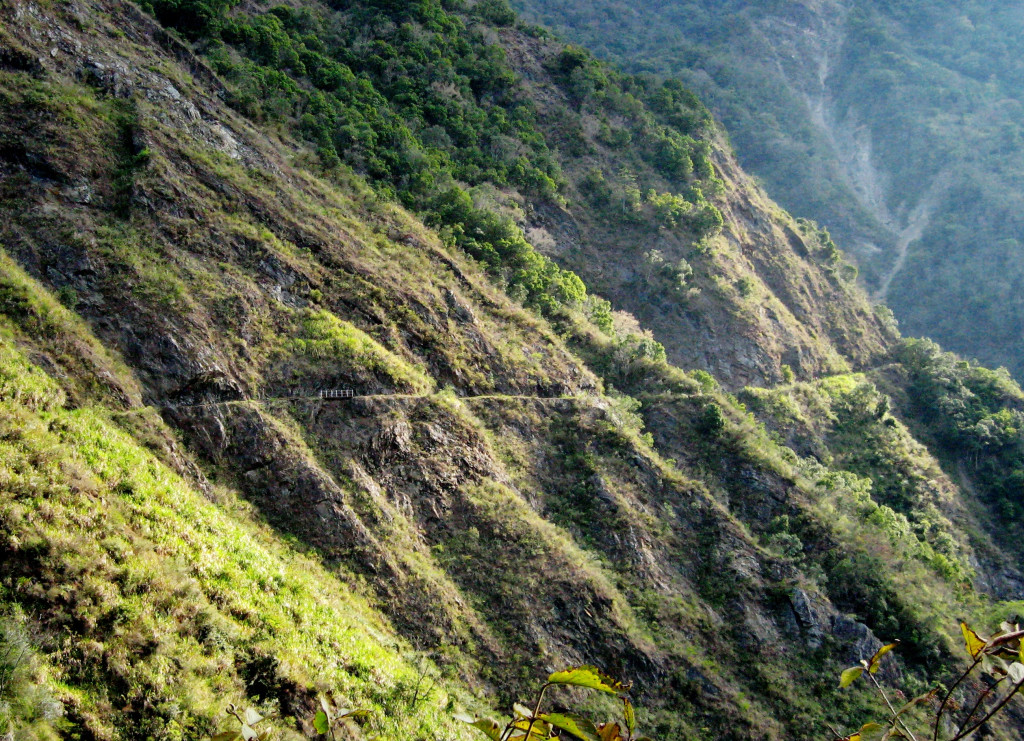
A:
{"x": 497, "y": 12}
{"x": 194, "y": 18}
{"x": 711, "y": 420}
{"x": 746, "y": 286}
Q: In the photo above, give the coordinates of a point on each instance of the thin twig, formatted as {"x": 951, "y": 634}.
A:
{"x": 987, "y": 718}
{"x": 977, "y": 705}
{"x": 895, "y": 716}
{"x": 508, "y": 728}
{"x": 536, "y": 710}
{"x": 7, "y": 676}
{"x": 419, "y": 681}
{"x": 949, "y": 693}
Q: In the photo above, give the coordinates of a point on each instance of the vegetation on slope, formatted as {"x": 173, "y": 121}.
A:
{"x": 519, "y": 520}
{"x": 868, "y": 117}
{"x": 976, "y": 418}
{"x": 421, "y": 105}
{"x": 509, "y": 144}
{"x": 155, "y": 605}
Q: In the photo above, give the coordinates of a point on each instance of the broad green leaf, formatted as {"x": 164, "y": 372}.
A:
{"x": 574, "y": 724}
{"x": 486, "y": 726}
{"x": 248, "y": 734}
{"x": 629, "y": 715}
{"x": 873, "y": 663}
{"x": 850, "y": 676}
{"x": 321, "y": 722}
{"x": 590, "y": 677}
{"x": 872, "y": 732}
{"x": 975, "y": 645}
{"x": 252, "y": 717}
{"x": 994, "y": 665}
{"x": 226, "y": 736}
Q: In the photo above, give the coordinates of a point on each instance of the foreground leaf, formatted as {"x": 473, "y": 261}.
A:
{"x": 920, "y": 700}
{"x": 579, "y": 727}
{"x": 486, "y": 726}
{"x": 994, "y": 665}
{"x": 872, "y": 732}
{"x": 522, "y": 711}
{"x": 609, "y": 732}
{"x": 1016, "y": 672}
{"x": 538, "y": 728}
{"x": 873, "y": 663}
{"x": 975, "y": 645}
{"x": 629, "y": 715}
{"x": 590, "y": 677}
{"x": 850, "y": 676}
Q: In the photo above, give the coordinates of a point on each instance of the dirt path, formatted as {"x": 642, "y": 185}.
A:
{"x": 271, "y": 399}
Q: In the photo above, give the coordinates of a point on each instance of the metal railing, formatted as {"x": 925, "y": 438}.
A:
{"x": 337, "y": 393}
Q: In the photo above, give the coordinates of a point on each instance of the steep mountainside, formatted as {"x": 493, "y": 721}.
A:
{"x": 206, "y": 224}
{"x": 897, "y": 125}
{"x": 740, "y": 300}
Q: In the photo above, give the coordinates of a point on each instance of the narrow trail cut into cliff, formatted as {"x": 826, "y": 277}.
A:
{"x": 343, "y": 400}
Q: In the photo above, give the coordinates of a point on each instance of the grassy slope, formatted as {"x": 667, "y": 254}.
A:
{"x": 157, "y": 603}
{"x": 501, "y": 535}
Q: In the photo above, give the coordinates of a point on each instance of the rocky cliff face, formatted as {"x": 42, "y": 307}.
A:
{"x": 179, "y": 283}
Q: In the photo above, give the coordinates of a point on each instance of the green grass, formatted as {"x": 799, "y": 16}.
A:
{"x": 325, "y": 337}
{"x": 31, "y": 313}
{"x": 170, "y": 599}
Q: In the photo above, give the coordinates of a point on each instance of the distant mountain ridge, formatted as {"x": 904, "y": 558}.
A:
{"x": 896, "y": 125}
